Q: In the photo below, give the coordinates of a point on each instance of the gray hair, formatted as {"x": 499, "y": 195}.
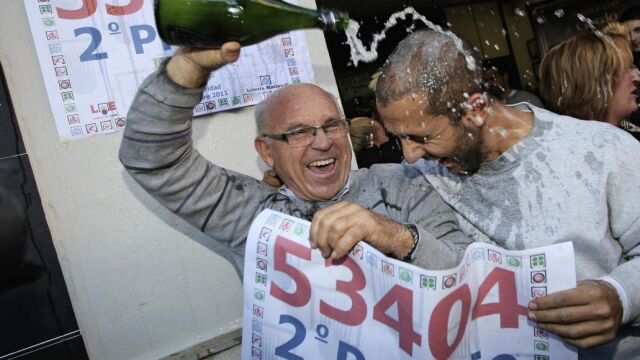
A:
{"x": 428, "y": 63}
{"x": 261, "y": 116}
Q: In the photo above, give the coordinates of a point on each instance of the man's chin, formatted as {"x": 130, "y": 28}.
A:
{"x": 459, "y": 170}
{"x": 323, "y": 194}
{"x": 323, "y": 190}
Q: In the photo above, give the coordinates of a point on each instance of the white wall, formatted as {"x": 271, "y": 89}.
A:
{"x": 141, "y": 287}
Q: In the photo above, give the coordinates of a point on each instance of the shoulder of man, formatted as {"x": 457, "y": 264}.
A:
{"x": 392, "y": 175}
{"x": 587, "y": 135}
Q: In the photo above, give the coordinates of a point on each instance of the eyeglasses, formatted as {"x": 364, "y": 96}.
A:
{"x": 304, "y": 136}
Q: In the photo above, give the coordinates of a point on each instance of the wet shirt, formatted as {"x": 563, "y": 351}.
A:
{"x": 569, "y": 180}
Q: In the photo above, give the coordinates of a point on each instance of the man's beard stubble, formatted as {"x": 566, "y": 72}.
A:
{"x": 469, "y": 154}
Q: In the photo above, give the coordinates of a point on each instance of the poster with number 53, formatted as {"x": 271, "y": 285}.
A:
{"x": 298, "y": 305}
{"x": 94, "y": 54}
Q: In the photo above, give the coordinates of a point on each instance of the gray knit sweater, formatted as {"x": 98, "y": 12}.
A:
{"x": 157, "y": 151}
{"x": 569, "y": 180}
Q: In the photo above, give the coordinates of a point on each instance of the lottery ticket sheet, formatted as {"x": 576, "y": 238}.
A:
{"x": 298, "y": 305}
{"x": 94, "y": 54}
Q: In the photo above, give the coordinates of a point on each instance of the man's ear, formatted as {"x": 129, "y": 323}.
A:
{"x": 264, "y": 150}
{"x": 476, "y": 114}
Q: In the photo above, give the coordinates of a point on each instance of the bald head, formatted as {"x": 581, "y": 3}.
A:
{"x": 317, "y": 167}
{"x": 430, "y": 65}
{"x": 287, "y": 98}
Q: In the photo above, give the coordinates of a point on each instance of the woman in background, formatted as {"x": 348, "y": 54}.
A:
{"x": 591, "y": 76}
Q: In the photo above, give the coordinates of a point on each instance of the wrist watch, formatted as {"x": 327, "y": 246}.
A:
{"x": 416, "y": 238}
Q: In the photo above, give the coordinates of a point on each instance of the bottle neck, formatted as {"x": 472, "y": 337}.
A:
{"x": 333, "y": 20}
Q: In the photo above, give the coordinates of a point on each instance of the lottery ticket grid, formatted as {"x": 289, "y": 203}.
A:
{"x": 58, "y": 66}
{"x": 93, "y": 55}
{"x": 261, "y": 281}
{"x": 290, "y": 56}
{"x": 60, "y": 36}
{"x": 534, "y": 275}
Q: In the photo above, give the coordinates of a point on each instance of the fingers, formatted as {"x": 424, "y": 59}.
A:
{"x": 329, "y": 225}
{"x": 583, "y": 334}
{"x": 336, "y": 229}
{"x": 321, "y": 221}
{"x": 589, "y": 342}
{"x": 204, "y": 61}
{"x": 341, "y": 245}
{"x": 230, "y": 52}
{"x": 561, "y": 299}
{"x": 593, "y": 299}
{"x": 571, "y": 314}
{"x": 212, "y": 60}
{"x": 586, "y": 316}
{"x": 271, "y": 178}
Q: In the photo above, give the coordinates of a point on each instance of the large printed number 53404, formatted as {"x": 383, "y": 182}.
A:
{"x": 507, "y": 307}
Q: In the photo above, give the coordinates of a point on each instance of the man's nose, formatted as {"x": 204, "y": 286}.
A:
{"x": 321, "y": 140}
{"x": 412, "y": 152}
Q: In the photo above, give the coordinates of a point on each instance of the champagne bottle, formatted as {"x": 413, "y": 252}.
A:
{"x": 211, "y": 23}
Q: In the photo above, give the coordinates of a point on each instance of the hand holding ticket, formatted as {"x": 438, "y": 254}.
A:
{"x": 299, "y": 305}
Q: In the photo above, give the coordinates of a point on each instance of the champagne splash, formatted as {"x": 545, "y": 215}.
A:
{"x": 594, "y": 29}
{"x": 360, "y": 54}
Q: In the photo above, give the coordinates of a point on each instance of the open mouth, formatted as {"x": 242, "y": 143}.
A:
{"x": 322, "y": 166}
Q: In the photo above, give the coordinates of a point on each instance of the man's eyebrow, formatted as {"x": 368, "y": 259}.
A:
{"x": 299, "y": 125}
{"x": 296, "y": 125}
{"x": 416, "y": 138}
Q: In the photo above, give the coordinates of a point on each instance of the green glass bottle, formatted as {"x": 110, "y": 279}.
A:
{"x": 211, "y": 23}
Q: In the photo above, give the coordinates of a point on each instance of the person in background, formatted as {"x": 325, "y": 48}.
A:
{"x": 303, "y": 137}
{"x": 378, "y": 146}
{"x": 361, "y": 133}
{"x": 371, "y": 143}
{"x": 591, "y": 76}
{"x": 522, "y": 177}
{"x": 498, "y": 86}
{"x": 631, "y": 18}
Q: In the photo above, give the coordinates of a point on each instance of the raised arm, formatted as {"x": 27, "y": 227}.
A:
{"x": 158, "y": 153}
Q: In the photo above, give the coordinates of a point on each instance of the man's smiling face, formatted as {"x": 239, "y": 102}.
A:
{"x": 319, "y": 170}
{"x": 435, "y": 138}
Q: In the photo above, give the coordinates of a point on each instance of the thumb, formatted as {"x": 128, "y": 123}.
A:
{"x": 229, "y": 52}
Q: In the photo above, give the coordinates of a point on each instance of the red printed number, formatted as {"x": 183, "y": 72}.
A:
{"x": 303, "y": 288}
{"x": 438, "y": 326}
{"x": 358, "y": 312}
{"x": 351, "y": 317}
{"x": 89, "y": 8}
{"x": 507, "y": 308}
{"x": 404, "y": 324}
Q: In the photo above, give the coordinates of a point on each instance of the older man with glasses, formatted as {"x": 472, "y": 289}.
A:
{"x": 303, "y": 136}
